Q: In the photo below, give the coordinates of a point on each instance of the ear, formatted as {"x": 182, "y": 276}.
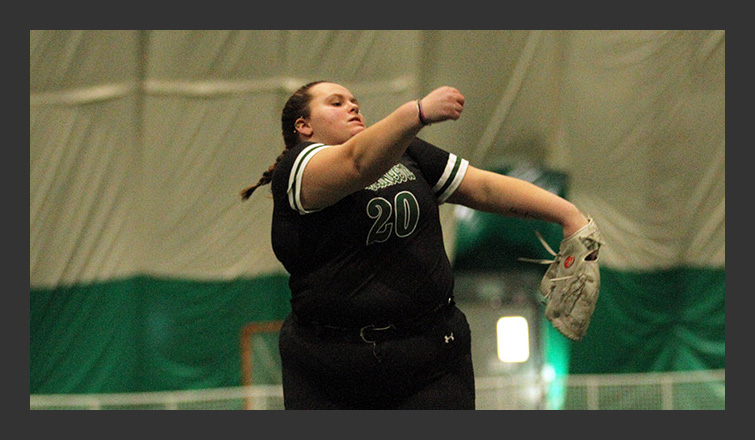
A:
{"x": 302, "y": 126}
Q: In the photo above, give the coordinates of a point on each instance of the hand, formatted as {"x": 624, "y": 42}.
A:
{"x": 442, "y": 104}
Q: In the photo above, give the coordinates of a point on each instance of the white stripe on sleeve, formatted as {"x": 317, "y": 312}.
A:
{"x": 295, "y": 178}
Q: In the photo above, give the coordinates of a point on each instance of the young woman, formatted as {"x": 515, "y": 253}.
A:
{"x": 356, "y": 224}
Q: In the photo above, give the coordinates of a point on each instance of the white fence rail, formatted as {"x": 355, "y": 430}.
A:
{"x": 694, "y": 390}
{"x": 691, "y": 390}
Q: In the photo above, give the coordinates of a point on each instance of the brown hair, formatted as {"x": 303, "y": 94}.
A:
{"x": 296, "y": 107}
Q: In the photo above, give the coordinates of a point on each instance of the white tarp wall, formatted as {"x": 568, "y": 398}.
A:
{"x": 140, "y": 141}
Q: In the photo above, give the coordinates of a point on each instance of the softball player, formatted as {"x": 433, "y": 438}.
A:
{"x": 356, "y": 224}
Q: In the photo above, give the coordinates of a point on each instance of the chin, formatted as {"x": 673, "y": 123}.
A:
{"x": 358, "y": 130}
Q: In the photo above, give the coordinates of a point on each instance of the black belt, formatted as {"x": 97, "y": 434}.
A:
{"x": 374, "y": 333}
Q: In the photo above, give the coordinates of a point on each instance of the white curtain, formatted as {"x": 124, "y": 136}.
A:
{"x": 140, "y": 141}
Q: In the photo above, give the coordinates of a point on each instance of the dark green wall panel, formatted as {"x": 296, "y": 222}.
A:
{"x": 145, "y": 333}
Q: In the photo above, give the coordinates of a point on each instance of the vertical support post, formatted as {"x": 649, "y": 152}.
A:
{"x": 247, "y": 333}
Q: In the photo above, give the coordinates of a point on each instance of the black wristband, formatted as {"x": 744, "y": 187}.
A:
{"x": 421, "y": 115}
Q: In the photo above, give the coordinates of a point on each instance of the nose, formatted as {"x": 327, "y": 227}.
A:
{"x": 354, "y": 107}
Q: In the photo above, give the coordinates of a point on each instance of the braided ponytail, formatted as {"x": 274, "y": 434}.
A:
{"x": 296, "y": 107}
{"x": 267, "y": 176}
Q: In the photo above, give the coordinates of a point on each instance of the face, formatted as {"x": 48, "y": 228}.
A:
{"x": 334, "y": 115}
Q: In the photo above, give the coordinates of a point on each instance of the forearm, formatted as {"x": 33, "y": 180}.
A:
{"x": 333, "y": 173}
{"x": 495, "y": 193}
{"x": 379, "y": 147}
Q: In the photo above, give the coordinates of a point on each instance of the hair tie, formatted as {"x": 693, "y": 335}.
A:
{"x": 421, "y": 114}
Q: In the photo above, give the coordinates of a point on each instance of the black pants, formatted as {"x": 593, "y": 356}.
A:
{"x": 429, "y": 370}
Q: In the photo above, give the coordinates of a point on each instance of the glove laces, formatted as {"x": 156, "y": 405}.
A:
{"x": 589, "y": 241}
{"x": 547, "y": 248}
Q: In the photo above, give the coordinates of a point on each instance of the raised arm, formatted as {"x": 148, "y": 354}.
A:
{"x": 342, "y": 169}
{"x": 496, "y": 193}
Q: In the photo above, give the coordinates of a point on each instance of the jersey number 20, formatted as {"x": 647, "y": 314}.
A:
{"x": 403, "y": 213}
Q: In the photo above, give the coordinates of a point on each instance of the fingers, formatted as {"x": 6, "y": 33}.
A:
{"x": 455, "y": 103}
{"x": 442, "y": 104}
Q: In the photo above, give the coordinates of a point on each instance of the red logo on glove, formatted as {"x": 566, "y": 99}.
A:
{"x": 569, "y": 261}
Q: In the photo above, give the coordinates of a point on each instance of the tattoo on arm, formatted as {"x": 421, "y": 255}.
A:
{"x": 522, "y": 214}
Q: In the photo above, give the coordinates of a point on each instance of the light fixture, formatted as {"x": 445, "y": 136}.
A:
{"x": 513, "y": 339}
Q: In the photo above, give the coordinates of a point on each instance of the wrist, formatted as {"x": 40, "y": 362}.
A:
{"x": 576, "y": 222}
{"x": 422, "y": 119}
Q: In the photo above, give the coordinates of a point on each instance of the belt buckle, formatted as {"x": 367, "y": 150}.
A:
{"x": 371, "y": 327}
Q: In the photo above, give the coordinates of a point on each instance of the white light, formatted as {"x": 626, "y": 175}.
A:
{"x": 513, "y": 339}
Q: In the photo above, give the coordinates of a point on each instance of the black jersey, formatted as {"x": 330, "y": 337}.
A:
{"x": 377, "y": 255}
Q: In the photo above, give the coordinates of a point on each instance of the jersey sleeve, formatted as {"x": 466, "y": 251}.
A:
{"x": 300, "y": 158}
{"x": 444, "y": 171}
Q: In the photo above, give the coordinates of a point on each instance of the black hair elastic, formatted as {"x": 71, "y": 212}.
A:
{"x": 421, "y": 115}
